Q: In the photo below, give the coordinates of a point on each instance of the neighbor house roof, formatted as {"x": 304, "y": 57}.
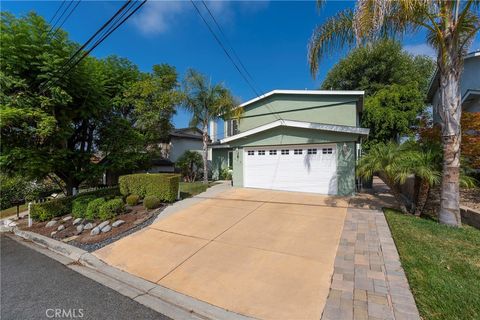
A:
{"x": 298, "y": 124}
{"x": 432, "y": 88}
{"x": 186, "y": 133}
{"x": 305, "y": 92}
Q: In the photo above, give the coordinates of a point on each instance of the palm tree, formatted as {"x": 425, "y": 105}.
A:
{"x": 207, "y": 102}
{"x": 385, "y": 160}
{"x": 450, "y": 27}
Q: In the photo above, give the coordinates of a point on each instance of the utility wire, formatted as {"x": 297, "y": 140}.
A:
{"x": 56, "y": 12}
{"x": 66, "y": 18}
{"x": 224, "y": 50}
{"x": 106, "y": 34}
{"x": 59, "y": 18}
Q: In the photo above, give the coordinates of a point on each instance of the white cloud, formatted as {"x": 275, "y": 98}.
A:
{"x": 159, "y": 16}
{"x": 420, "y": 49}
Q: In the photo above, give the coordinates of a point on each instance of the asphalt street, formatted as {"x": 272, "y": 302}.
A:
{"x": 34, "y": 286}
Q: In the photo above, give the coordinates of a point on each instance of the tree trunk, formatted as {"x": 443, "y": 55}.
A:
{"x": 205, "y": 153}
{"x": 422, "y": 197}
{"x": 396, "y": 193}
{"x": 450, "y": 112}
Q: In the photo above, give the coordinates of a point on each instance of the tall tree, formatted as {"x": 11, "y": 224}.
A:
{"x": 207, "y": 102}
{"x": 450, "y": 28}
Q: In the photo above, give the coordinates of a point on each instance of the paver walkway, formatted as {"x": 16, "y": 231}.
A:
{"x": 368, "y": 280}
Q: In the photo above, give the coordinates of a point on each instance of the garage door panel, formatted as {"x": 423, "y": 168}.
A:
{"x": 293, "y": 172}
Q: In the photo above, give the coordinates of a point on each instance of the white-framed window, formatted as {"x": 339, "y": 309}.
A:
{"x": 261, "y": 152}
{"x": 230, "y": 159}
{"x": 232, "y": 127}
{"x": 251, "y": 152}
{"x": 297, "y": 151}
{"x": 327, "y": 151}
{"x": 273, "y": 152}
{"x": 285, "y": 151}
{"x": 312, "y": 151}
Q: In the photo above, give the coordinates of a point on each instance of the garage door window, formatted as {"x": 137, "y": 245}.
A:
{"x": 251, "y": 152}
{"x": 273, "y": 152}
{"x": 285, "y": 152}
{"x": 312, "y": 151}
{"x": 297, "y": 151}
{"x": 327, "y": 151}
{"x": 261, "y": 152}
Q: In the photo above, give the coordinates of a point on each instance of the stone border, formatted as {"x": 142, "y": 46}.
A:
{"x": 470, "y": 216}
{"x": 368, "y": 280}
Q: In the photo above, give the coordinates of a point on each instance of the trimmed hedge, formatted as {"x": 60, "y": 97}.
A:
{"x": 79, "y": 206}
{"x": 110, "y": 209}
{"x": 132, "y": 199}
{"x": 151, "y": 202}
{"x": 162, "y": 185}
{"x": 93, "y": 208}
{"x": 61, "y": 206}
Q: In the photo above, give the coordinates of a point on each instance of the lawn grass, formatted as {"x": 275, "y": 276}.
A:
{"x": 13, "y": 210}
{"x": 442, "y": 265}
{"x": 190, "y": 189}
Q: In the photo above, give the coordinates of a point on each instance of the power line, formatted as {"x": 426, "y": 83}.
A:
{"x": 224, "y": 50}
{"x": 56, "y": 12}
{"x": 59, "y": 18}
{"x": 66, "y": 18}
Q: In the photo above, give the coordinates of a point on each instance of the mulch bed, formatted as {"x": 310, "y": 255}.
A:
{"x": 470, "y": 198}
{"x": 136, "y": 218}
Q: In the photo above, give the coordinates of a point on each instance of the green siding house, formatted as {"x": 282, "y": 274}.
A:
{"x": 294, "y": 140}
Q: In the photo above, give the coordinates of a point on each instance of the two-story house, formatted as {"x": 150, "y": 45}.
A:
{"x": 295, "y": 140}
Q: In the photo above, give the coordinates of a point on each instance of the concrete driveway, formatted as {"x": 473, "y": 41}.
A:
{"x": 261, "y": 253}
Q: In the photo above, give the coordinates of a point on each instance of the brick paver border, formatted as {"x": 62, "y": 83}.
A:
{"x": 368, "y": 280}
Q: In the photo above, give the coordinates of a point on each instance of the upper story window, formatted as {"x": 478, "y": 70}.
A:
{"x": 261, "y": 152}
{"x": 297, "y": 151}
{"x": 312, "y": 151}
{"x": 273, "y": 152}
{"x": 231, "y": 127}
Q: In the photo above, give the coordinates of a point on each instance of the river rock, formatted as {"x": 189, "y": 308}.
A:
{"x": 60, "y": 227}
{"x": 50, "y": 224}
{"x": 103, "y": 224}
{"x": 53, "y": 233}
{"x": 118, "y": 223}
{"x": 89, "y": 226}
{"x": 67, "y": 218}
{"x": 80, "y": 228}
{"x": 106, "y": 228}
{"x": 77, "y": 221}
{"x": 95, "y": 231}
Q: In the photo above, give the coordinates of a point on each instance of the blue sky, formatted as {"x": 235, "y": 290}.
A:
{"x": 270, "y": 37}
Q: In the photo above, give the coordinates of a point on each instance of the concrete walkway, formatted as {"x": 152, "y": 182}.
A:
{"x": 259, "y": 253}
{"x": 368, "y": 280}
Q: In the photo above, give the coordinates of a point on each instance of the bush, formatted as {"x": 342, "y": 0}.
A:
{"x": 151, "y": 202}
{"x": 79, "y": 206}
{"x": 58, "y": 207}
{"x": 163, "y": 186}
{"x": 50, "y": 209}
{"x": 93, "y": 208}
{"x": 110, "y": 209}
{"x": 132, "y": 199}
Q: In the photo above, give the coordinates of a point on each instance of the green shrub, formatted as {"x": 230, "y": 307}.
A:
{"x": 162, "y": 185}
{"x": 110, "y": 209}
{"x": 132, "y": 199}
{"x": 50, "y": 209}
{"x": 93, "y": 208}
{"x": 151, "y": 202}
{"x": 79, "y": 206}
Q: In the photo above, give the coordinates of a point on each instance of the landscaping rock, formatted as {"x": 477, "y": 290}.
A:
{"x": 60, "y": 227}
{"x": 67, "y": 218}
{"x": 7, "y": 222}
{"x": 53, "y": 233}
{"x": 106, "y": 228}
{"x": 103, "y": 224}
{"x": 50, "y": 224}
{"x": 118, "y": 223}
{"x": 89, "y": 226}
{"x": 70, "y": 238}
{"x": 80, "y": 228}
{"x": 95, "y": 231}
{"x": 12, "y": 224}
{"x": 77, "y": 221}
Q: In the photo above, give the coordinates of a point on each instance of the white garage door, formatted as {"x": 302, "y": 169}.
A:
{"x": 309, "y": 168}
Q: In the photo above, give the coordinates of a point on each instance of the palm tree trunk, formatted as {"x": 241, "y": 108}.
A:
{"x": 205, "y": 153}
{"x": 450, "y": 112}
{"x": 422, "y": 197}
